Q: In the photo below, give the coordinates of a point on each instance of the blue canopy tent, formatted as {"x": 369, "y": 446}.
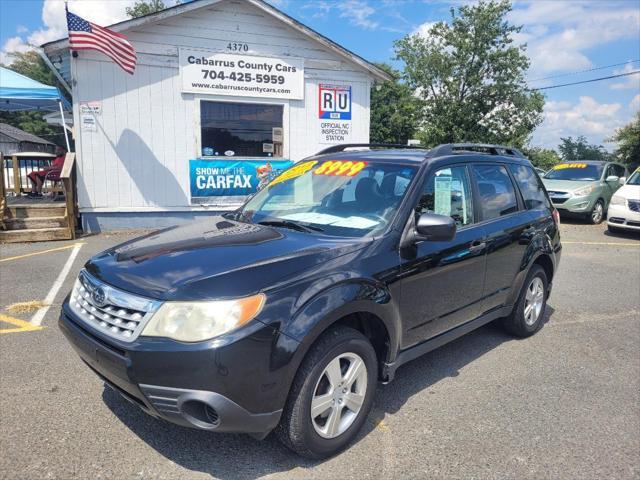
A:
{"x": 18, "y": 92}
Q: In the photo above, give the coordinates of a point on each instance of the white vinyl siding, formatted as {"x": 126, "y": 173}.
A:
{"x": 138, "y": 158}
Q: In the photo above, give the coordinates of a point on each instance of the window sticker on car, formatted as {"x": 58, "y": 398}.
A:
{"x": 340, "y": 168}
{"x": 442, "y": 195}
{"x": 562, "y": 166}
{"x": 294, "y": 172}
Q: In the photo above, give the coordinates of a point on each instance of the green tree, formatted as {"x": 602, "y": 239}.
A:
{"x": 628, "y": 138}
{"x": 394, "y": 110}
{"x": 581, "y": 149}
{"x": 471, "y": 77}
{"x": 544, "y": 158}
{"x": 142, "y": 8}
{"x": 31, "y": 65}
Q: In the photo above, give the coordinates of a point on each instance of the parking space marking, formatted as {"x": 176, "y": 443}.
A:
{"x": 39, "y": 315}
{"x": 619, "y": 244}
{"x": 57, "y": 249}
{"x": 21, "y": 325}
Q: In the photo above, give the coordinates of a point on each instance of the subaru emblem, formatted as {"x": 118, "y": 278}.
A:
{"x": 99, "y": 297}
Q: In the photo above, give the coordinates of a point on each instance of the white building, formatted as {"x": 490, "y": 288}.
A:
{"x": 221, "y": 88}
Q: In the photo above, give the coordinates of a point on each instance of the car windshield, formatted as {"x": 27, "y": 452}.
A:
{"x": 634, "y": 179}
{"x": 575, "y": 171}
{"x": 335, "y": 197}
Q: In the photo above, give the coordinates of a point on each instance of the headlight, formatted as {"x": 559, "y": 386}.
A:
{"x": 617, "y": 200}
{"x": 581, "y": 192}
{"x": 198, "y": 321}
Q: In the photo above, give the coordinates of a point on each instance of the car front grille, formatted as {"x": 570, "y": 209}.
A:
{"x": 113, "y": 312}
{"x": 558, "y": 197}
{"x": 634, "y": 205}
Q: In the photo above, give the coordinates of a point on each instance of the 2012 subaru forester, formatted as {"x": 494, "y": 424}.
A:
{"x": 285, "y": 314}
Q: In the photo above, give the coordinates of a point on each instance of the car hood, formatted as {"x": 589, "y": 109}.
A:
{"x": 214, "y": 258}
{"x": 629, "y": 191}
{"x": 565, "y": 185}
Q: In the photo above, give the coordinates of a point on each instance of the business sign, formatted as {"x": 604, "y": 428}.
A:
{"x": 334, "y": 102}
{"x": 334, "y": 113}
{"x": 227, "y": 180}
{"x": 241, "y": 75}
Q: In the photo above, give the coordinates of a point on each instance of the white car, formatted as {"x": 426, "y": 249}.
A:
{"x": 624, "y": 208}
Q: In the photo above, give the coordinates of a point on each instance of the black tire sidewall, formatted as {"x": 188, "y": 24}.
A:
{"x": 323, "y": 446}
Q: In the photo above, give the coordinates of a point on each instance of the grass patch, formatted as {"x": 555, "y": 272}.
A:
{"x": 25, "y": 307}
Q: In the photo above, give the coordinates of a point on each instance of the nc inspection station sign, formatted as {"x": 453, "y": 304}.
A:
{"x": 241, "y": 75}
{"x": 334, "y": 113}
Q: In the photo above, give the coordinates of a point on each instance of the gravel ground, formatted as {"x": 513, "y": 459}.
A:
{"x": 562, "y": 404}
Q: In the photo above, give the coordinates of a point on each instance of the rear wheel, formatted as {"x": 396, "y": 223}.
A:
{"x": 331, "y": 395}
{"x": 597, "y": 214}
{"x": 528, "y": 314}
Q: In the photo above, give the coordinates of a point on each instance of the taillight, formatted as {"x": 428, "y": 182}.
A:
{"x": 556, "y": 217}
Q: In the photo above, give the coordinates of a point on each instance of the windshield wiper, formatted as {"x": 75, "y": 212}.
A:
{"x": 291, "y": 224}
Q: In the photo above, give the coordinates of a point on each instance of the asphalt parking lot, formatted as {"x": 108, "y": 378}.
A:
{"x": 562, "y": 404}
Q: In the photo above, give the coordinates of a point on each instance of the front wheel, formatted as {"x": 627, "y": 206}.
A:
{"x": 528, "y": 314}
{"x": 597, "y": 214}
{"x": 331, "y": 395}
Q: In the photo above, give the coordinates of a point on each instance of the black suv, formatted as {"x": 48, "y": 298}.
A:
{"x": 285, "y": 314}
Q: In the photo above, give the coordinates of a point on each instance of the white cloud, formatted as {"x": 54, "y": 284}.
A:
{"x": 596, "y": 121}
{"x": 559, "y": 33}
{"x": 424, "y": 30}
{"x": 55, "y": 24}
{"x": 634, "y": 105}
{"x": 630, "y": 82}
{"x": 358, "y": 12}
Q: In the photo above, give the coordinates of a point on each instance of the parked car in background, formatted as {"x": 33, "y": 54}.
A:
{"x": 540, "y": 171}
{"x": 584, "y": 188}
{"x": 285, "y": 314}
{"x": 624, "y": 209}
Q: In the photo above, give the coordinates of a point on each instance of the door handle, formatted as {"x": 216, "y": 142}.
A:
{"x": 477, "y": 246}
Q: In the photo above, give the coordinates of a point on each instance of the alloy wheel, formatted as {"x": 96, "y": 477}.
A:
{"x": 534, "y": 301}
{"x": 339, "y": 395}
{"x": 598, "y": 211}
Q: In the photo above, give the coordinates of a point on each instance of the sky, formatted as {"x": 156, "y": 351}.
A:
{"x": 567, "y": 40}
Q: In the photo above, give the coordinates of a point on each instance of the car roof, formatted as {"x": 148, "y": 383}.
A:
{"x": 400, "y": 154}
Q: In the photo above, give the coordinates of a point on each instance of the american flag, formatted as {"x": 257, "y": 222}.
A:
{"x": 84, "y": 35}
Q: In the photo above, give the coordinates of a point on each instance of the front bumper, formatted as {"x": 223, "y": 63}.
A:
{"x": 205, "y": 396}
{"x": 620, "y": 216}
{"x": 574, "y": 205}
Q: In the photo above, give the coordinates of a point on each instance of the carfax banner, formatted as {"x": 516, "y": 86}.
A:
{"x": 245, "y": 75}
{"x": 231, "y": 178}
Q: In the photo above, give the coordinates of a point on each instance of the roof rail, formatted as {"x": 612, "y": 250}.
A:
{"x": 454, "y": 148}
{"x": 344, "y": 146}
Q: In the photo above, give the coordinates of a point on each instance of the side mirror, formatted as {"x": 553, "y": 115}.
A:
{"x": 612, "y": 178}
{"x": 435, "y": 228}
{"x": 622, "y": 180}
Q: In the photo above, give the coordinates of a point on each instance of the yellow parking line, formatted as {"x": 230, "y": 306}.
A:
{"x": 620, "y": 244}
{"x": 22, "y": 325}
{"x": 18, "y": 257}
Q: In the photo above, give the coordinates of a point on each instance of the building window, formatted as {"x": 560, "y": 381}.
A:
{"x": 240, "y": 129}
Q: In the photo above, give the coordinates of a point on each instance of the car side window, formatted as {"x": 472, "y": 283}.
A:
{"x": 497, "y": 194}
{"x": 530, "y": 186}
{"x": 618, "y": 170}
{"x": 448, "y": 192}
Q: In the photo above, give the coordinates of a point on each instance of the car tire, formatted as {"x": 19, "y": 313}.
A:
{"x": 597, "y": 213}
{"x": 315, "y": 380}
{"x": 527, "y": 316}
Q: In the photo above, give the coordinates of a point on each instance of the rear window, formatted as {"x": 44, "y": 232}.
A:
{"x": 497, "y": 194}
{"x": 530, "y": 186}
